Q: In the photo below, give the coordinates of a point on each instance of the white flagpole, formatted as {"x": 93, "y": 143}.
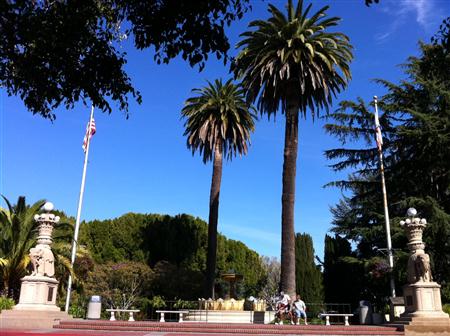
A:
{"x": 80, "y": 203}
{"x": 386, "y": 212}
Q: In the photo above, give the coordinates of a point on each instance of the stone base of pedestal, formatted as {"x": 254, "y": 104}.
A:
{"x": 427, "y": 326}
{"x": 423, "y": 299}
{"x": 31, "y": 319}
{"x": 38, "y": 293}
{"x": 423, "y": 314}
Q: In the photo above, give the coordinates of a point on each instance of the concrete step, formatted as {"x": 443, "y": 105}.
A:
{"x": 422, "y": 321}
{"x": 254, "y": 329}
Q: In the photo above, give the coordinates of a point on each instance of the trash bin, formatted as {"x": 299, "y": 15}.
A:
{"x": 365, "y": 312}
{"x": 94, "y": 307}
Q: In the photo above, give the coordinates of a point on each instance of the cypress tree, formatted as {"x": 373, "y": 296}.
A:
{"x": 343, "y": 275}
{"x": 308, "y": 275}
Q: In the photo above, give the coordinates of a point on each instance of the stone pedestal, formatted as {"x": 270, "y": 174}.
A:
{"x": 38, "y": 293}
{"x": 423, "y": 299}
{"x": 37, "y": 303}
{"x": 423, "y": 314}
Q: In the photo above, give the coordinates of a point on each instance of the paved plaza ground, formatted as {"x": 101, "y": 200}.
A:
{"x": 54, "y": 332}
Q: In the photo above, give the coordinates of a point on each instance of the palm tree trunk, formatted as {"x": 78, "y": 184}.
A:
{"x": 6, "y": 288}
{"x": 212, "y": 222}
{"x": 288, "y": 202}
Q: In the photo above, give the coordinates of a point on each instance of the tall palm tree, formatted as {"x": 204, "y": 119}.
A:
{"x": 292, "y": 63}
{"x": 218, "y": 124}
{"x": 17, "y": 235}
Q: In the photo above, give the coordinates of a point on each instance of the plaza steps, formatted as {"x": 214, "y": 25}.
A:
{"x": 222, "y": 328}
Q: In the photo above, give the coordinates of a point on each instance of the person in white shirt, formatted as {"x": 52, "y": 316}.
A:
{"x": 284, "y": 299}
{"x": 299, "y": 309}
{"x": 282, "y": 307}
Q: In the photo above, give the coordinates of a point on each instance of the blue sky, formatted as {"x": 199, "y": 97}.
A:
{"x": 142, "y": 164}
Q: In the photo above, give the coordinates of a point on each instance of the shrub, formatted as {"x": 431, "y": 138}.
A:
{"x": 6, "y": 303}
{"x": 78, "y": 307}
{"x": 182, "y": 304}
{"x": 446, "y": 308}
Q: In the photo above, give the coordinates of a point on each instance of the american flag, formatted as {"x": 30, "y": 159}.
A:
{"x": 90, "y": 131}
{"x": 379, "y": 137}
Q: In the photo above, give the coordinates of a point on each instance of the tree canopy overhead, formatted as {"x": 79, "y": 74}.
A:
{"x": 56, "y": 53}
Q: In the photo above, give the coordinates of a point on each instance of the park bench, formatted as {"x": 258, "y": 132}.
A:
{"x": 129, "y": 311}
{"x": 327, "y": 317}
{"x": 180, "y": 312}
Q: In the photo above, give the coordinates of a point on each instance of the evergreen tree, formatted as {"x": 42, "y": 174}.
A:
{"x": 308, "y": 276}
{"x": 416, "y": 136}
{"x": 175, "y": 248}
{"x": 342, "y": 278}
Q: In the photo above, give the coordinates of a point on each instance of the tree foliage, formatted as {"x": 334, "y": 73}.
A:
{"x": 272, "y": 268}
{"x": 308, "y": 275}
{"x": 293, "y": 60}
{"x": 56, "y": 53}
{"x": 350, "y": 277}
{"x": 370, "y": 2}
{"x": 119, "y": 284}
{"x": 218, "y": 116}
{"x": 174, "y": 248}
{"x": 416, "y": 148}
{"x": 18, "y": 235}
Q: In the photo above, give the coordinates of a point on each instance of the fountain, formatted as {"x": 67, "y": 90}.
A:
{"x": 231, "y": 310}
{"x": 232, "y": 278}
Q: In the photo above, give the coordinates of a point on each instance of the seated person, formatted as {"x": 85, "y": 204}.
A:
{"x": 299, "y": 309}
{"x": 282, "y": 307}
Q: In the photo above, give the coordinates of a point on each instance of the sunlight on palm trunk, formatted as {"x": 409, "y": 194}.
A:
{"x": 288, "y": 202}
{"x": 213, "y": 219}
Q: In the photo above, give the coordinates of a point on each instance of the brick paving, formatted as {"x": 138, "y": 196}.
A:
{"x": 222, "y": 329}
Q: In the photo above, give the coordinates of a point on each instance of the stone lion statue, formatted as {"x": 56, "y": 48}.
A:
{"x": 422, "y": 268}
{"x": 42, "y": 260}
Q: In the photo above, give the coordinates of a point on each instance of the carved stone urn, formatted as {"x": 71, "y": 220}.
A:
{"x": 422, "y": 295}
{"x": 38, "y": 290}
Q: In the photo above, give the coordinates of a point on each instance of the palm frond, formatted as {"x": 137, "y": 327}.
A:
{"x": 218, "y": 115}
{"x": 293, "y": 60}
